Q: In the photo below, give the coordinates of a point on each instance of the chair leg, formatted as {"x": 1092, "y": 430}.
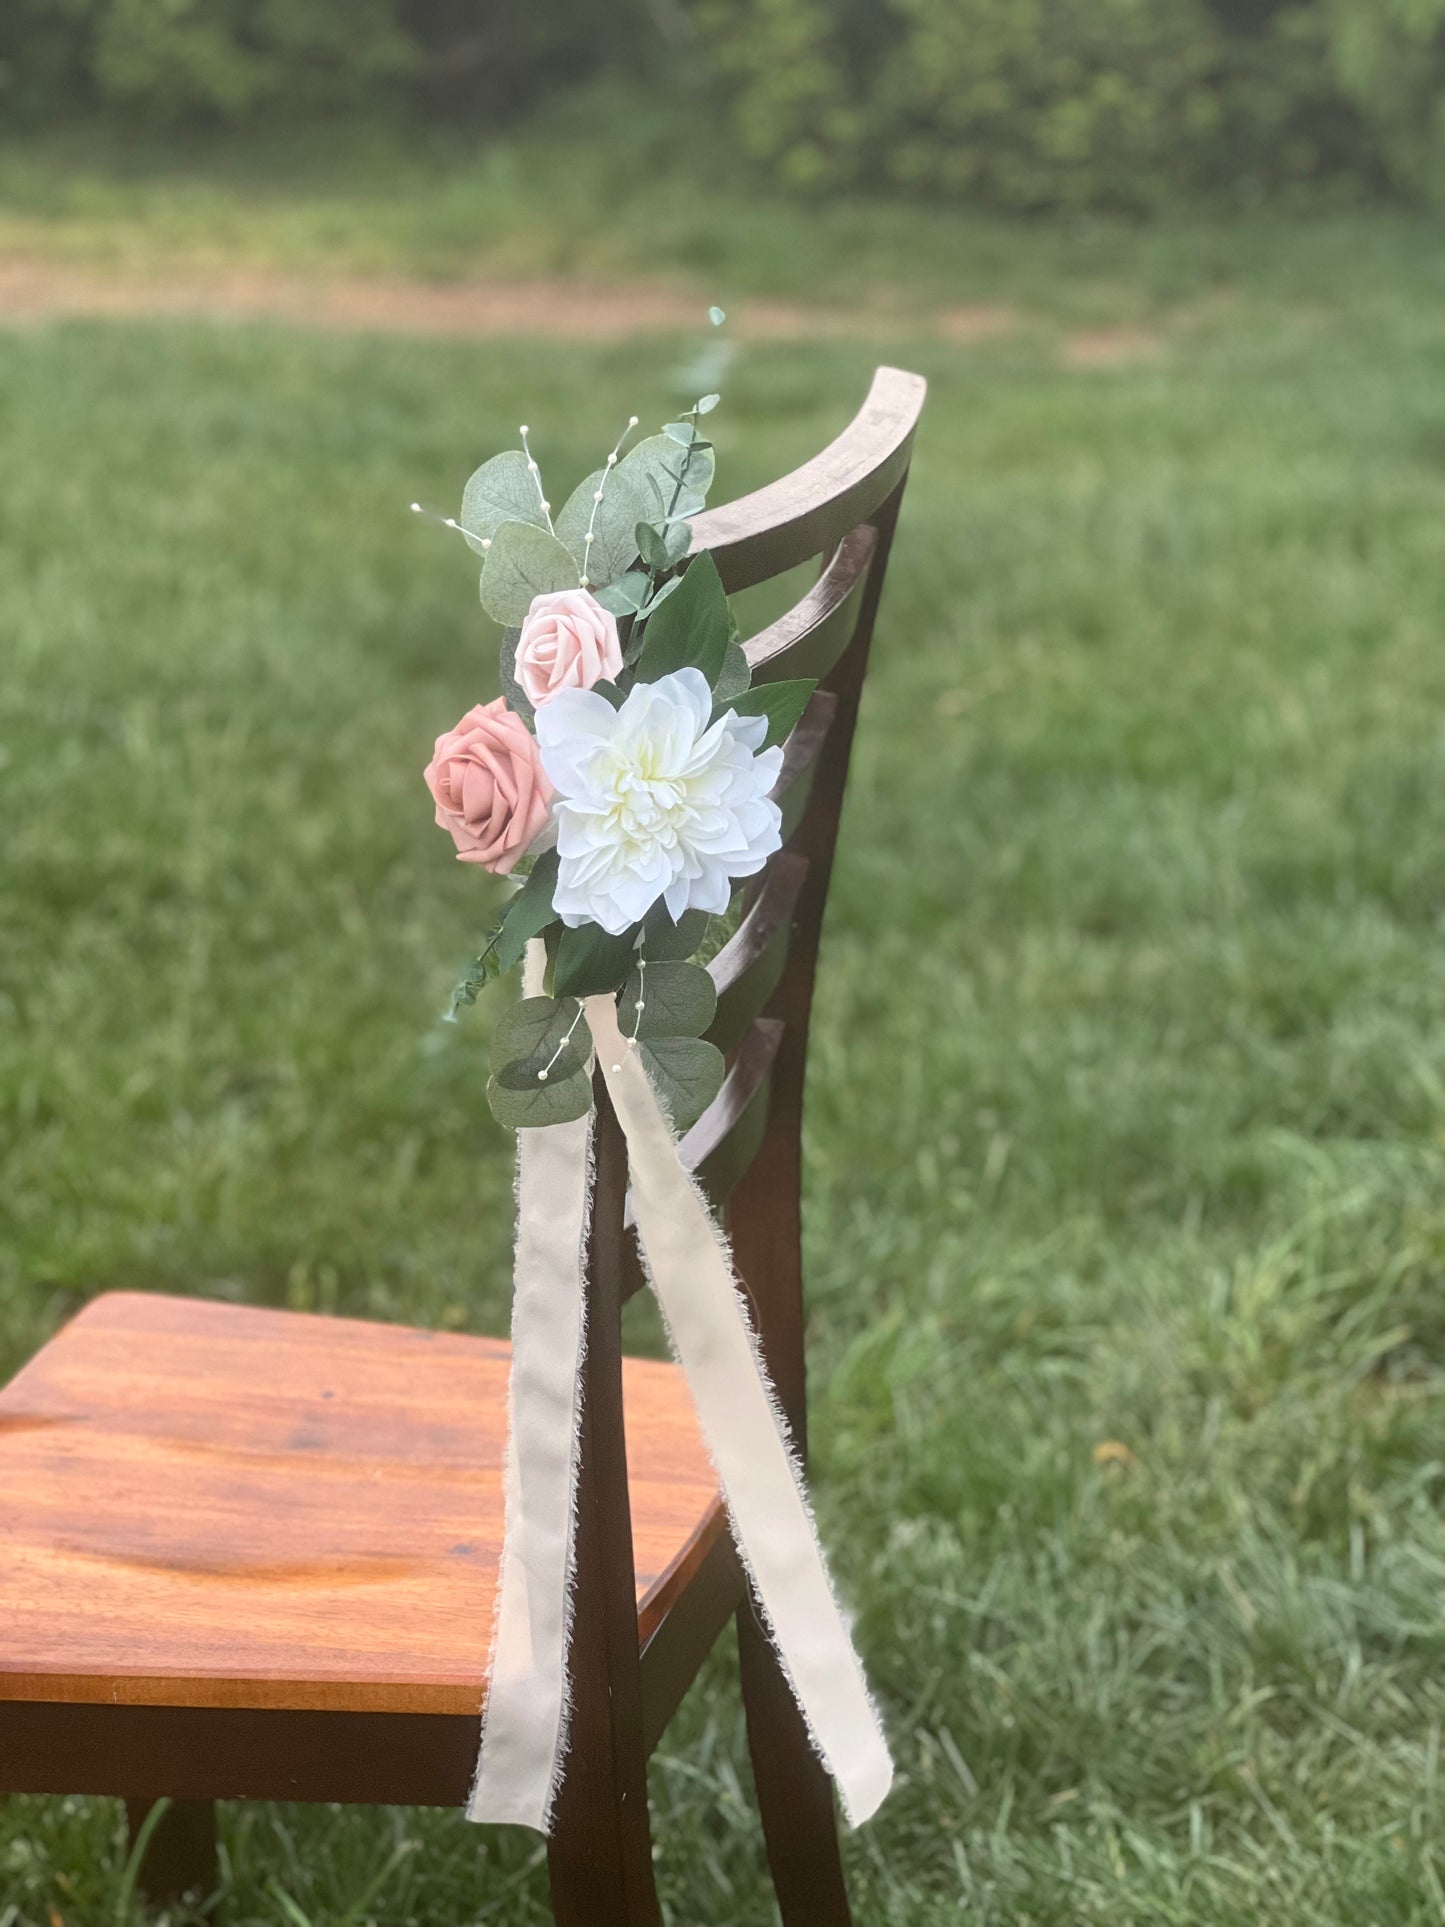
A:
{"x": 795, "y": 1794}
{"x": 599, "y": 1859}
{"x": 180, "y": 1857}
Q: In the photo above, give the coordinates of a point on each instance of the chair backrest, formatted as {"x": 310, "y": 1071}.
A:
{"x": 841, "y": 507}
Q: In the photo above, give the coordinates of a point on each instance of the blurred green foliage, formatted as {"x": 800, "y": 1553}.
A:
{"x": 1016, "y": 104}
{"x": 249, "y": 60}
{"x": 1389, "y": 62}
{"x": 1031, "y": 104}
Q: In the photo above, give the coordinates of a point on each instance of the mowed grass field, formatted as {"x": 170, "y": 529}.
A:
{"x": 1126, "y": 1129}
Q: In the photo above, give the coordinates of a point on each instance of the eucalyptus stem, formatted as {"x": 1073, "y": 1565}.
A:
{"x": 654, "y": 576}
{"x": 686, "y": 461}
{"x": 466, "y": 990}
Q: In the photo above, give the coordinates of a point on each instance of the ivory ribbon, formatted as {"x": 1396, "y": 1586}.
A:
{"x": 690, "y": 1269}
{"x": 524, "y": 1723}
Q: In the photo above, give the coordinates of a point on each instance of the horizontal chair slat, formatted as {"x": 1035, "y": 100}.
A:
{"x": 810, "y": 638}
{"x": 800, "y": 759}
{"x": 722, "y": 1144}
{"x": 724, "y": 1141}
{"x": 747, "y": 968}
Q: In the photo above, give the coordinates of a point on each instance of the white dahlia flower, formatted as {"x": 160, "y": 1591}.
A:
{"x": 652, "y": 802}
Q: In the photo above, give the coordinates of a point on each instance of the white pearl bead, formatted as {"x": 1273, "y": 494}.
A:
{"x": 541, "y": 1077}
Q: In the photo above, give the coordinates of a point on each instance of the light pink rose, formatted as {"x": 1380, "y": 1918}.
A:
{"x": 568, "y": 641}
{"x": 491, "y": 791}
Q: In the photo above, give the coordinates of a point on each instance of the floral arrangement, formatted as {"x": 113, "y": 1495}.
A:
{"x": 625, "y": 773}
{"x": 625, "y": 777}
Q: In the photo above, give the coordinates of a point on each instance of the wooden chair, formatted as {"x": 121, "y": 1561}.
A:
{"x": 249, "y": 1554}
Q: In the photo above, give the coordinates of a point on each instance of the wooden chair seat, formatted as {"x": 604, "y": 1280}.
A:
{"x": 205, "y": 1505}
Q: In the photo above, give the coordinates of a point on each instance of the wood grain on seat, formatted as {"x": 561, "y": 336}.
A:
{"x": 210, "y": 1505}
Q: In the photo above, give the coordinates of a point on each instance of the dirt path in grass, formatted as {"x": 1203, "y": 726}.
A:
{"x": 34, "y": 290}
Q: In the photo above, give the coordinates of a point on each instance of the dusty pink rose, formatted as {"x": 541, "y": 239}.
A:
{"x": 490, "y": 788}
{"x": 569, "y": 641}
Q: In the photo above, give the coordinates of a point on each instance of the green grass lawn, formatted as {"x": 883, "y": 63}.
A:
{"x": 1126, "y": 1147}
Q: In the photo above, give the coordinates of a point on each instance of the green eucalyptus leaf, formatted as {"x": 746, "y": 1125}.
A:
{"x": 612, "y": 521}
{"x": 690, "y": 629}
{"x": 686, "y": 1074}
{"x": 524, "y": 562}
{"x": 685, "y": 433}
{"x": 517, "y": 697}
{"x": 676, "y": 1000}
{"x": 528, "y": 913}
{"x": 651, "y": 545}
{"x": 664, "y": 941}
{"x": 555, "y": 1102}
{"x": 782, "y": 703}
{"x": 626, "y": 595}
{"x": 479, "y": 972}
{"x": 665, "y": 474}
{"x": 529, "y": 1035}
{"x": 707, "y": 404}
{"x": 590, "y": 961}
{"x": 502, "y": 490}
{"x": 734, "y": 676}
{"x": 672, "y": 582}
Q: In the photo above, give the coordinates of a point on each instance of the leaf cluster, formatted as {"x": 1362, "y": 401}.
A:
{"x": 542, "y": 1047}
{"x": 625, "y": 535}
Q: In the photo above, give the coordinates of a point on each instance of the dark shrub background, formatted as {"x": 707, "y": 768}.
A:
{"x": 1017, "y": 104}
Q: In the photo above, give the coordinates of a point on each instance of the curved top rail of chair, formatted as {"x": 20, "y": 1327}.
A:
{"x": 802, "y": 514}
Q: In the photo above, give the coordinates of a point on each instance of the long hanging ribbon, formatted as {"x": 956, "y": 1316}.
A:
{"x": 524, "y": 1727}
{"x": 524, "y": 1724}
